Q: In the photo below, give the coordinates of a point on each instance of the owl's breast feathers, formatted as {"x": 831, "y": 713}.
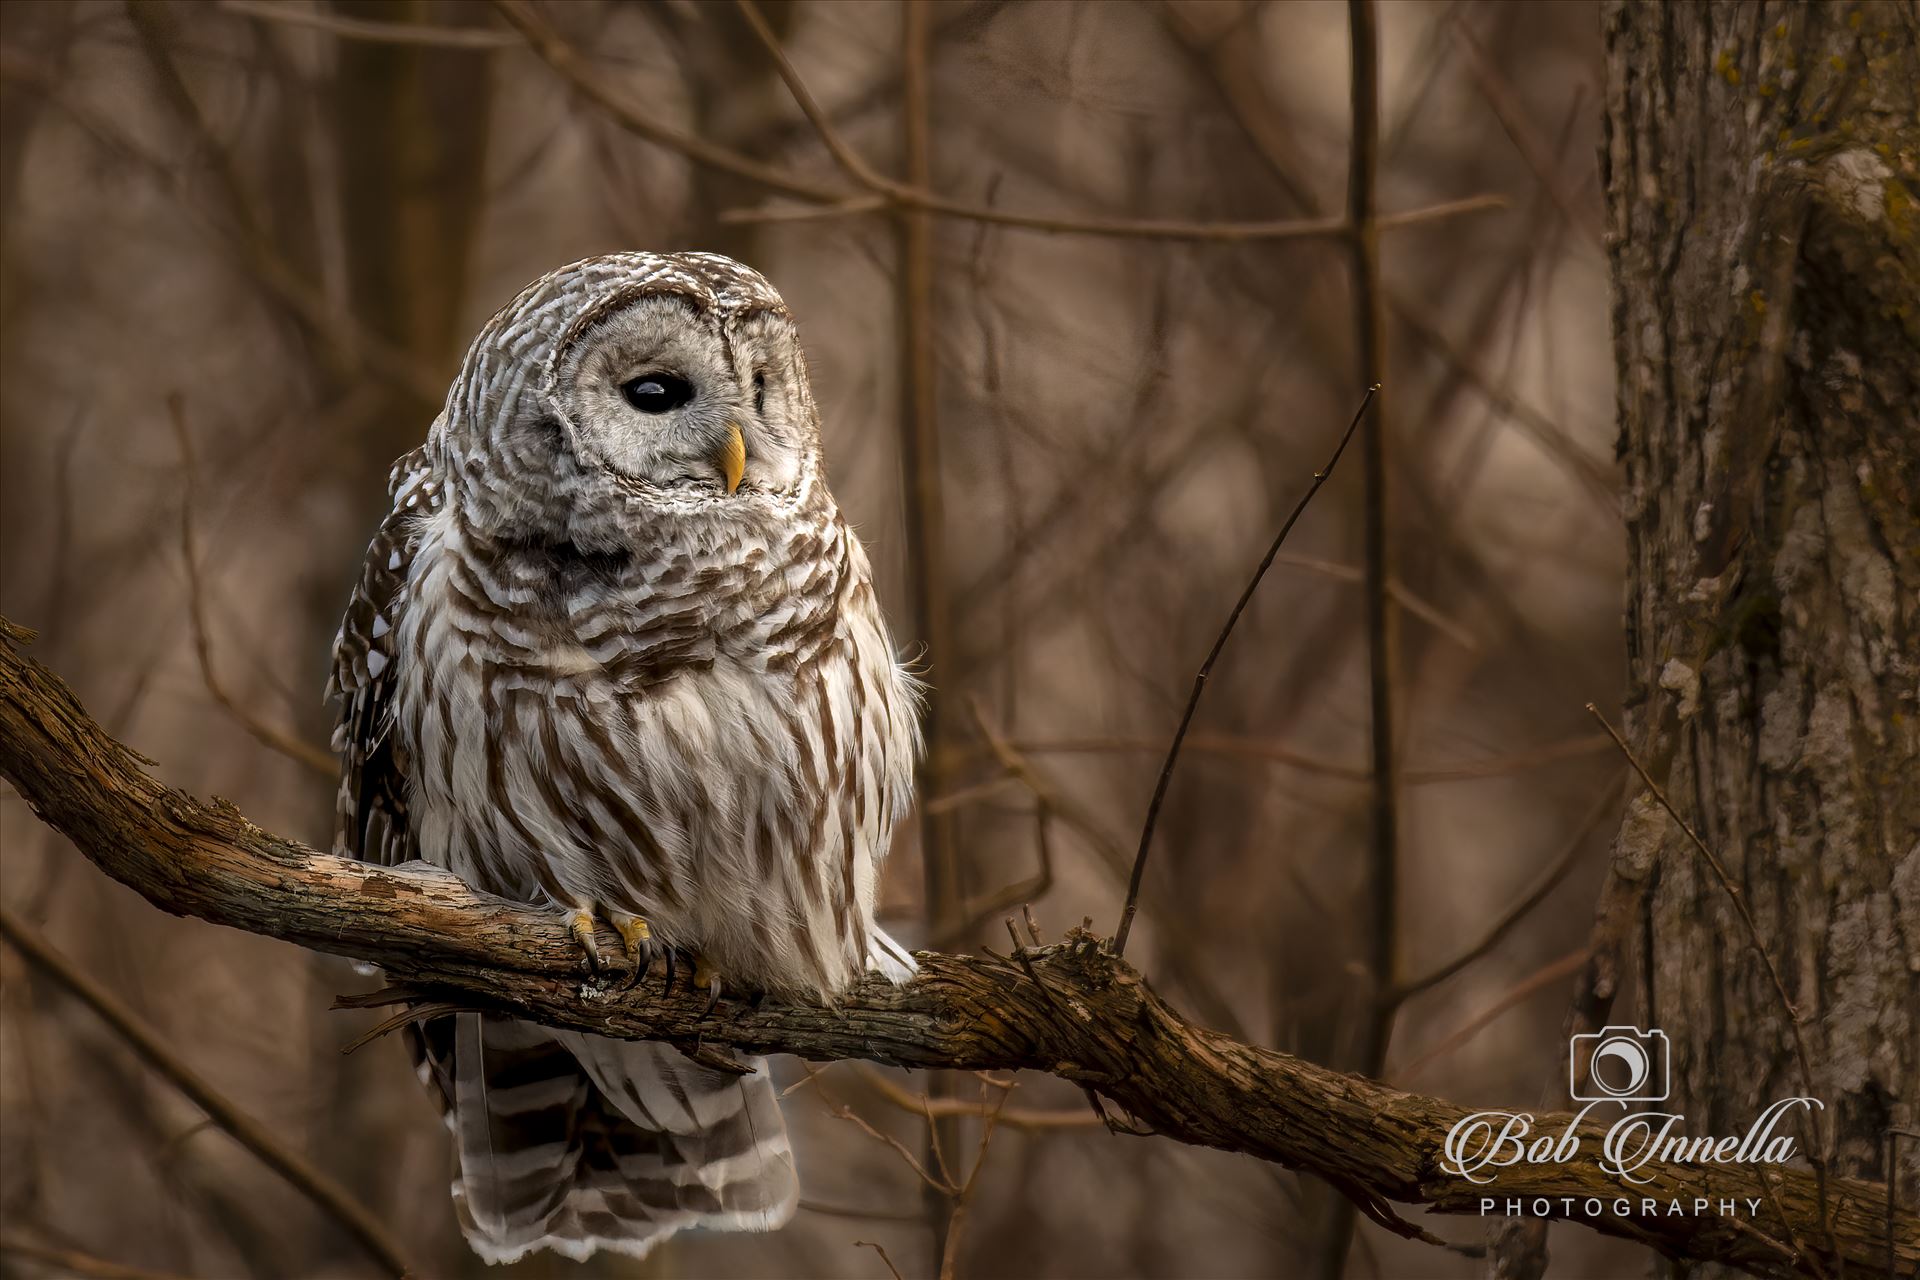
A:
{"x": 707, "y": 727}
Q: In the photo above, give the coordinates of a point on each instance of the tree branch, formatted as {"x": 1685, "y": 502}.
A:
{"x": 1071, "y": 1010}
{"x": 877, "y": 192}
{"x": 329, "y": 1196}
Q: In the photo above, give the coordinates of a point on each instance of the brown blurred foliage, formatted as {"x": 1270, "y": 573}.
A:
{"x": 292, "y": 228}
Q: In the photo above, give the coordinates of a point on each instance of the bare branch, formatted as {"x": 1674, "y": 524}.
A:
{"x": 329, "y": 1196}
{"x": 287, "y": 744}
{"x": 1533, "y": 897}
{"x": 573, "y": 67}
{"x": 1512, "y": 116}
{"x": 1382, "y": 883}
{"x": 1179, "y": 946}
{"x": 868, "y": 1244}
{"x": 68, "y": 1262}
{"x": 439, "y": 939}
{"x": 1012, "y": 1117}
{"x": 1818, "y": 1147}
{"x": 1546, "y": 975}
{"x": 1263, "y": 749}
{"x": 1206, "y": 669}
{"x": 375, "y": 32}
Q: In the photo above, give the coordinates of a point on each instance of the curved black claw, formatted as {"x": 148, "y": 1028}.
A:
{"x": 667, "y": 988}
{"x": 580, "y": 924}
{"x": 636, "y": 939}
{"x": 709, "y": 981}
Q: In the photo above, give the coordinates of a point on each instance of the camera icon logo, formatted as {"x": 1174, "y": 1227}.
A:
{"x": 1623, "y": 1064}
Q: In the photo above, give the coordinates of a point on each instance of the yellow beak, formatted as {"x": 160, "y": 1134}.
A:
{"x": 733, "y": 456}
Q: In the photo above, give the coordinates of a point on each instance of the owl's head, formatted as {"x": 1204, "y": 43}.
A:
{"x": 631, "y": 387}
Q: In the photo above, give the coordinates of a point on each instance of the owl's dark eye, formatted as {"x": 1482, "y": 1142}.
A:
{"x": 657, "y": 392}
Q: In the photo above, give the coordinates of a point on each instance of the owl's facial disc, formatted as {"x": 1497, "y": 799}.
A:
{"x": 662, "y": 393}
{"x": 650, "y": 395}
{"x": 661, "y": 396}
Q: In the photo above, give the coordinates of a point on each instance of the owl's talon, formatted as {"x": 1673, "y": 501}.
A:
{"x": 667, "y": 988}
{"x": 581, "y": 925}
{"x": 636, "y": 939}
{"x": 709, "y": 981}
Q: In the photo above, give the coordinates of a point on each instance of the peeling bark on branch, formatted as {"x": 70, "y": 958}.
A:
{"x": 1073, "y": 1010}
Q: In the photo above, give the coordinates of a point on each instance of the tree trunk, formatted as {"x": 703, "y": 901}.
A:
{"x": 1760, "y": 165}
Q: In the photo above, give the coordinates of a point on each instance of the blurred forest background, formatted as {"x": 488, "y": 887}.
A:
{"x": 245, "y": 245}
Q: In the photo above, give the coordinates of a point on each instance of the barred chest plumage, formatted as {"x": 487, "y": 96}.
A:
{"x": 709, "y": 732}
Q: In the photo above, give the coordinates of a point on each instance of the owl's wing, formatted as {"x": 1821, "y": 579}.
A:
{"x": 372, "y": 823}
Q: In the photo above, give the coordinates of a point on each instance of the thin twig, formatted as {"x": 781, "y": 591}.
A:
{"x": 326, "y": 1194}
{"x": 828, "y": 1210}
{"x": 962, "y": 797}
{"x": 1382, "y": 883}
{"x": 1206, "y": 668}
{"x": 69, "y": 1262}
{"x": 1370, "y": 335}
{"x": 1270, "y": 752}
{"x": 1406, "y": 599}
{"x": 1014, "y": 894}
{"x": 783, "y": 212}
{"x": 1817, "y": 1152}
{"x": 1241, "y": 88}
{"x": 572, "y": 66}
{"x": 841, "y": 1111}
{"x": 412, "y": 1013}
{"x": 868, "y": 1244}
{"x": 1544, "y": 976}
{"x": 1593, "y": 477}
{"x": 374, "y": 32}
{"x": 950, "y": 1254}
{"x": 1029, "y": 1118}
{"x": 933, "y": 1141}
{"x": 844, "y": 155}
{"x": 1533, "y": 897}
{"x": 925, "y": 511}
{"x": 357, "y": 343}
{"x": 1022, "y": 891}
{"x": 1179, "y": 946}
{"x": 1513, "y": 121}
{"x": 60, "y": 579}
{"x": 271, "y": 736}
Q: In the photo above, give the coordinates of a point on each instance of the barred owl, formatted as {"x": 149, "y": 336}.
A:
{"x": 615, "y": 652}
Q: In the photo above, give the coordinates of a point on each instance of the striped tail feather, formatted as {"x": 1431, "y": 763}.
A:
{"x": 579, "y": 1143}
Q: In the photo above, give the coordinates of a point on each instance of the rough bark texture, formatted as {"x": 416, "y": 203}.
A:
{"x": 1760, "y": 165}
{"x": 1072, "y": 1010}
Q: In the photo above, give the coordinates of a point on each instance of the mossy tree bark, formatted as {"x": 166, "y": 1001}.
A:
{"x": 1760, "y": 165}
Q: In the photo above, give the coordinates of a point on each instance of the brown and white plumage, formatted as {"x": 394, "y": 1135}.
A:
{"x": 600, "y": 660}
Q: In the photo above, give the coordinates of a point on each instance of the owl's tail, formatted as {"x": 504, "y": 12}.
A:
{"x": 578, "y": 1143}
